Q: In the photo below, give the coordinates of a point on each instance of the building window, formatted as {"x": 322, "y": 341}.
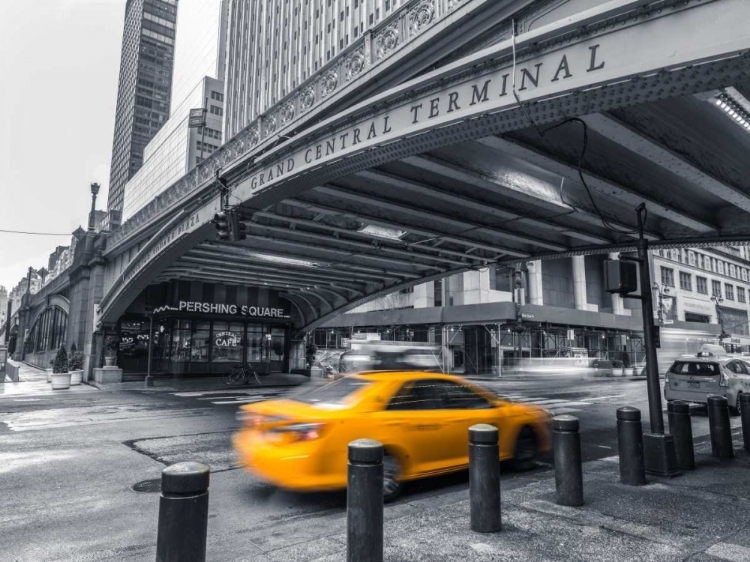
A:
{"x": 729, "y": 291}
{"x": 686, "y": 281}
{"x": 667, "y": 276}
{"x": 217, "y": 96}
{"x": 715, "y": 288}
{"x": 701, "y": 285}
{"x": 741, "y": 294}
{"x": 217, "y": 110}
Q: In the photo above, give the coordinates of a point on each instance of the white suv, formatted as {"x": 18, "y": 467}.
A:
{"x": 695, "y": 378}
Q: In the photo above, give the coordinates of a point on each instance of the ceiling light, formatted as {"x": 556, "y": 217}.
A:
{"x": 719, "y": 102}
{"x": 382, "y": 232}
{"x": 285, "y": 261}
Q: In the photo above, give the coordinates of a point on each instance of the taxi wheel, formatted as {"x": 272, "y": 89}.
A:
{"x": 736, "y": 410}
{"x": 392, "y": 488}
{"x": 526, "y": 450}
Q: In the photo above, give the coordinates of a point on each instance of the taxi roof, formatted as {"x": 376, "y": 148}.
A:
{"x": 402, "y": 375}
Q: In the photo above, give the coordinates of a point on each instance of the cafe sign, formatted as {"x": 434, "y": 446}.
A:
{"x": 227, "y": 339}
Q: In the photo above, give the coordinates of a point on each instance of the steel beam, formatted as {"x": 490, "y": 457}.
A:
{"x": 433, "y": 216}
{"x": 627, "y": 137}
{"x": 600, "y": 185}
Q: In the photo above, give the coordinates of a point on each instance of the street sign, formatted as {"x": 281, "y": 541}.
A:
{"x": 196, "y": 118}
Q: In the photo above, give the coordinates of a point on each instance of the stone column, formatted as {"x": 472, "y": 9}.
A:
{"x": 579, "y": 282}
{"x": 618, "y": 307}
{"x": 536, "y": 289}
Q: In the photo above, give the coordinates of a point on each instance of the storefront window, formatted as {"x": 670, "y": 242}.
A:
{"x": 227, "y": 341}
{"x": 181, "y": 341}
{"x": 276, "y": 348}
{"x": 201, "y": 342}
{"x": 254, "y": 343}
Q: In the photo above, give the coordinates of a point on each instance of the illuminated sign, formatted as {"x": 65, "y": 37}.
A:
{"x": 227, "y": 339}
{"x": 232, "y": 309}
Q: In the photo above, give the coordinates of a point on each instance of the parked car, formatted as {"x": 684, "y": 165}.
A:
{"x": 710, "y": 372}
{"x": 422, "y": 419}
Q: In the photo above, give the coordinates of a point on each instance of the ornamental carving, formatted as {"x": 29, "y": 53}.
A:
{"x": 387, "y": 40}
{"x": 252, "y": 136}
{"x": 287, "y": 113}
{"x": 237, "y": 148}
{"x": 226, "y": 156}
{"x": 270, "y": 125}
{"x": 453, "y": 3}
{"x": 421, "y": 16}
{"x": 306, "y": 98}
{"x": 328, "y": 82}
{"x": 355, "y": 64}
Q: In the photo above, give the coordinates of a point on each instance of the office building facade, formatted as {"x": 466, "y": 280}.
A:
{"x": 275, "y": 46}
{"x": 197, "y": 84}
{"x": 144, "y": 91}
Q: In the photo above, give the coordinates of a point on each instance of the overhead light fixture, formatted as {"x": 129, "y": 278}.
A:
{"x": 285, "y": 261}
{"x": 382, "y": 232}
{"x": 733, "y": 108}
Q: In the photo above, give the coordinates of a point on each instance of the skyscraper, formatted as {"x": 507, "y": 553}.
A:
{"x": 143, "y": 97}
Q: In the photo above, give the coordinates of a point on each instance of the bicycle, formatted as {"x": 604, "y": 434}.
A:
{"x": 240, "y": 374}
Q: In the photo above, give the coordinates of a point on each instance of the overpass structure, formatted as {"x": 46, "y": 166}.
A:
{"x": 455, "y": 135}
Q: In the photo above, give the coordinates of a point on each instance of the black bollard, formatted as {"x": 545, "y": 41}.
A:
{"x": 567, "y": 453}
{"x": 183, "y": 513}
{"x": 745, "y": 414}
{"x": 721, "y": 431}
{"x": 681, "y": 428}
{"x": 630, "y": 444}
{"x": 484, "y": 478}
{"x": 364, "y": 502}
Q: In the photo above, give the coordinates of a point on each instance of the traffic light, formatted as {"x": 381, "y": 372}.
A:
{"x": 221, "y": 222}
{"x": 237, "y": 228}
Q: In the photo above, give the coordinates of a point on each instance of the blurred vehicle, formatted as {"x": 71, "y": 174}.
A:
{"x": 693, "y": 378}
{"x": 422, "y": 419}
{"x": 390, "y": 355}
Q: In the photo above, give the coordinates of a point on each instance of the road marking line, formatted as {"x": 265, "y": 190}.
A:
{"x": 240, "y": 401}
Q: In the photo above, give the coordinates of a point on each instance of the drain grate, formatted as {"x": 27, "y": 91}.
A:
{"x": 147, "y": 486}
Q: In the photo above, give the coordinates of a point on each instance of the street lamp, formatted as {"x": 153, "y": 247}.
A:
{"x": 94, "y": 191}
{"x": 717, "y": 300}
{"x": 661, "y": 290}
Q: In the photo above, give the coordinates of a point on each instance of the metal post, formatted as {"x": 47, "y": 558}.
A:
{"x": 567, "y": 454}
{"x": 484, "y": 478}
{"x": 149, "y": 378}
{"x": 721, "y": 431}
{"x": 183, "y": 513}
{"x": 658, "y": 447}
{"x": 364, "y": 502}
{"x": 681, "y": 428}
{"x": 745, "y": 414}
{"x": 7, "y": 320}
{"x": 630, "y": 444}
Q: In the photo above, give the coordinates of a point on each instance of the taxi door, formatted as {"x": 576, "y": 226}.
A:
{"x": 461, "y": 408}
{"x": 413, "y": 424}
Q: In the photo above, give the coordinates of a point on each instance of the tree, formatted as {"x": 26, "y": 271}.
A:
{"x": 60, "y": 364}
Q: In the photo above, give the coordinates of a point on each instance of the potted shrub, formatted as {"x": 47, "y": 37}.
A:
{"x": 310, "y": 351}
{"x": 49, "y": 370}
{"x": 110, "y": 351}
{"x": 60, "y": 374}
{"x": 75, "y": 366}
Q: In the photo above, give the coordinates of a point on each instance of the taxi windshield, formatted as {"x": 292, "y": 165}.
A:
{"x": 336, "y": 392}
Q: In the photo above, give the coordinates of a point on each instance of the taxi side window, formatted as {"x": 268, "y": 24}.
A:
{"x": 458, "y": 397}
{"x": 416, "y": 395}
{"x": 739, "y": 367}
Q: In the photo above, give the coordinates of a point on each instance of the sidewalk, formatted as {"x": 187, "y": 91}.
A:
{"x": 33, "y": 381}
{"x": 701, "y": 516}
{"x": 176, "y": 384}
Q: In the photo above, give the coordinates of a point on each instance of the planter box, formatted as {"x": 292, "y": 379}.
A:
{"x": 76, "y": 377}
{"x": 60, "y": 381}
{"x": 110, "y": 360}
{"x": 108, "y": 375}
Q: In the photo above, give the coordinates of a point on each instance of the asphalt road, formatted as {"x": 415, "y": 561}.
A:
{"x": 69, "y": 460}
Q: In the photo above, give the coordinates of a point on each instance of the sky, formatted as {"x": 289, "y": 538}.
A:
{"x": 59, "y": 62}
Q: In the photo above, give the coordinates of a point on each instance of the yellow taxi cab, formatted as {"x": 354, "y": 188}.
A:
{"x": 422, "y": 419}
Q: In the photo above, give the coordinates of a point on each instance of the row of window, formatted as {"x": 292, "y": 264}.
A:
{"x": 217, "y": 111}
{"x": 217, "y": 96}
{"x": 686, "y": 283}
{"x": 708, "y": 263}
